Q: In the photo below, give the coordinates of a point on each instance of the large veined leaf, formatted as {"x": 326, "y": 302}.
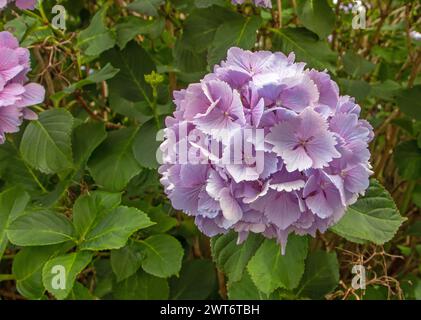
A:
{"x": 317, "y": 16}
{"x": 270, "y": 270}
{"x": 373, "y": 217}
{"x": 12, "y": 204}
{"x": 163, "y": 255}
{"x": 90, "y": 207}
{"x": 306, "y": 47}
{"x": 231, "y": 257}
{"x": 40, "y": 228}
{"x": 321, "y": 275}
{"x": 240, "y": 32}
{"x": 194, "y": 272}
{"x": 97, "y": 38}
{"x": 46, "y": 143}
{"x": 142, "y": 286}
{"x": 59, "y": 274}
{"x": 113, "y": 164}
{"x": 27, "y": 267}
{"x": 134, "y": 63}
{"x": 113, "y": 229}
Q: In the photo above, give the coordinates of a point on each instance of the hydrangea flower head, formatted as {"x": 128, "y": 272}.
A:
{"x": 265, "y": 145}
{"x": 16, "y": 95}
{"x": 257, "y": 3}
{"x": 21, "y": 4}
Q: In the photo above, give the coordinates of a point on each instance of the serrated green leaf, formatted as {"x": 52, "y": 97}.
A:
{"x": 91, "y": 207}
{"x": 114, "y": 228}
{"x": 71, "y": 265}
{"x": 373, "y": 217}
{"x": 40, "y": 228}
{"x": 46, "y": 144}
{"x": 270, "y": 270}
{"x": 163, "y": 255}
{"x": 86, "y": 138}
{"x": 148, "y": 7}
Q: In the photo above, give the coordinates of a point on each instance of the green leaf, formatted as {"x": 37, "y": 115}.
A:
{"x": 40, "y": 228}
{"x": 12, "y": 204}
{"x": 270, "y": 270}
{"x": 145, "y": 145}
{"x": 80, "y": 292}
{"x": 133, "y": 62}
{"x": 72, "y": 265}
{"x": 163, "y": 221}
{"x": 317, "y": 16}
{"x": 245, "y": 289}
{"x": 201, "y": 25}
{"x": 373, "y": 217}
{"x": 196, "y": 282}
{"x": 113, "y": 229}
{"x": 90, "y": 207}
{"x": 408, "y": 160}
{"x": 321, "y": 275}
{"x": 83, "y": 147}
{"x": 409, "y": 101}
{"x": 106, "y": 73}
{"x": 27, "y": 267}
{"x": 148, "y": 7}
{"x": 356, "y": 66}
{"x": 239, "y": 32}
{"x": 163, "y": 255}
{"x": 113, "y": 164}
{"x": 133, "y": 26}
{"x": 126, "y": 261}
{"x": 97, "y": 38}
{"x": 306, "y": 46}
{"x": 46, "y": 143}
{"x": 142, "y": 286}
{"x": 414, "y": 229}
{"x": 232, "y": 258}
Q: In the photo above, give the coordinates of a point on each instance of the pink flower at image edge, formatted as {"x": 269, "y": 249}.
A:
{"x": 16, "y": 94}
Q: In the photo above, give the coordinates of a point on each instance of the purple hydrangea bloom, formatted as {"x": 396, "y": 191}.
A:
{"x": 258, "y": 3}
{"x": 265, "y": 145}
{"x": 21, "y": 4}
{"x": 16, "y": 95}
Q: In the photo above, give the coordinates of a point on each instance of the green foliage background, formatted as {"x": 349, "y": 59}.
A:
{"x": 80, "y": 188}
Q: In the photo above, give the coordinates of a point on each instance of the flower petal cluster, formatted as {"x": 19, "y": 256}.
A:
{"x": 21, "y": 4}
{"x": 16, "y": 95}
{"x": 257, "y": 3}
{"x": 312, "y": 146}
